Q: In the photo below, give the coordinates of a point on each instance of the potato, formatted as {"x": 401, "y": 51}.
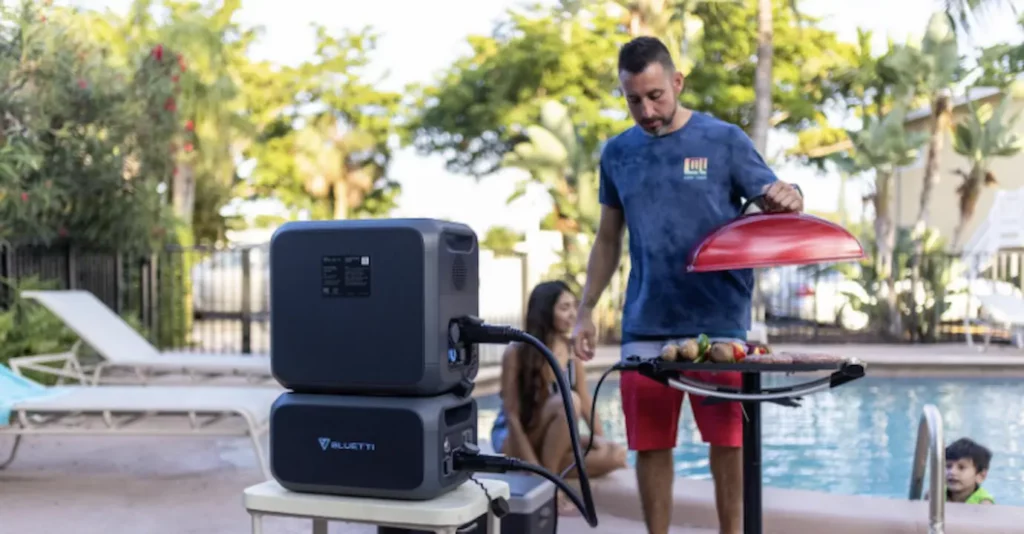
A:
{"x": 722, "y": 353}
{"x": 689, "y": 350}
{"x": 670, "y": 352}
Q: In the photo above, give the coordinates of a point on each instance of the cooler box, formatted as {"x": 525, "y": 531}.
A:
{"x": 531, "y": 508}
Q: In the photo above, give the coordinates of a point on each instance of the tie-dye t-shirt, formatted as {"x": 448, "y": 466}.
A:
{"x": 673, "y": 190}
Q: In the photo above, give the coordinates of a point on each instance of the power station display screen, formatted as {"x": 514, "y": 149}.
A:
{"x": 345, "y": 276}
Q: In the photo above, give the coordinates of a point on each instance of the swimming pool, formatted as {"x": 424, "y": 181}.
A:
{"x": 858, "y": 439}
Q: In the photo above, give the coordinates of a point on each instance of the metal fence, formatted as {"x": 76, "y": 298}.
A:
{"x": 210, "y": 300}
{"x": 217, "y": 300}
{"x": 846, "y": 303}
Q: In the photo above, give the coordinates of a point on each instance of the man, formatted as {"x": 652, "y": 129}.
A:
{"x": 670, "y": 180}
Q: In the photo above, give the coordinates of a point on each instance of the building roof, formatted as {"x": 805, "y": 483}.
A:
{"x": 974, "y": 94}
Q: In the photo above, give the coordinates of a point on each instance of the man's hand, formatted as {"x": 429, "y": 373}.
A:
{"x": 584, "y": 335}
{"x": 780, "y": 196}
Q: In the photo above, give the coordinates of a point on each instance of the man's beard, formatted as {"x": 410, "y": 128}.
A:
{"x": 666, "y": 123}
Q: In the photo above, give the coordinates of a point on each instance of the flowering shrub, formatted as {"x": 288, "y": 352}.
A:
{"x": 88, "y": 149}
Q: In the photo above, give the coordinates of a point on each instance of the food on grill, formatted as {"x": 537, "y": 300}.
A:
{"x": 703, "y": 346}
{"x": 800, "y": 357}
{"x": 689, "y": 350}
{"x": 728, "y": 352}
{"x": 670, "y": 352}
{"x": 756, "y": 348}
{"x": 775, "y": 358}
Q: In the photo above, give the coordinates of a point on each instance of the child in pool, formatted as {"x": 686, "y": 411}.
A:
{"x": 967, "y": 465}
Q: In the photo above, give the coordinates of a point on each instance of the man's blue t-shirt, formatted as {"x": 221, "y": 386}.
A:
{"x": 673, "y": 190}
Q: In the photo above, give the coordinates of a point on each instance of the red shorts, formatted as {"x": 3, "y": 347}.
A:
{"x": 652, "y": 412}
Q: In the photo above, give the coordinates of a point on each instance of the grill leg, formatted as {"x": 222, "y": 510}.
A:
{"x": 752, "y": 457}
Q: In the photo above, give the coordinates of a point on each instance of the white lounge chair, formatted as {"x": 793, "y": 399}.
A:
{"x": 28, "y": 408}
{"x": 128, "y": 358}
{"x": 1006, "y": 311}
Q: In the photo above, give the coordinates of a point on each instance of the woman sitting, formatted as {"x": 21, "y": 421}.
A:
{"x": 531, "y": 424}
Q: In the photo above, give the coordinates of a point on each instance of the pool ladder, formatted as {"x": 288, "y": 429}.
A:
{"x": 930, "y": 439}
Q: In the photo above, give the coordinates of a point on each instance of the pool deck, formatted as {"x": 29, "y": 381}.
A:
{"x": 98, "y": 485}
{"x": 95, "y": 485}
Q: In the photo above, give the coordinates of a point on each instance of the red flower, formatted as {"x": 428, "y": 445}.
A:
{"x": 82, "y": 84}
{"x": 181, "y": 62}
{"x": 190, "y": 126}
{"x": 170, "y": 105}
{"x": 24, "y": 197}
{"x": 158, "y": 52}
{"x": 188, "y": 147}
{"x": 175, "y": 78}
{"x": 42, "y": 18}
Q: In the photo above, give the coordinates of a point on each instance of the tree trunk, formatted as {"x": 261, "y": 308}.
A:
{"x": 183, "y": 193}
{"x": 885, "y": 243}
{"x": 940, "y": 123}
{"x": 969, "y": 192}
{"x": 763, "y": 77}
{"x": 339, "y": 194}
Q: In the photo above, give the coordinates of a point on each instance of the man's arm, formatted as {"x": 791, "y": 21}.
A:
{"x": 604, "y": 256}
{"x": 751, "y": 176}
{"x": 604, "y": 259}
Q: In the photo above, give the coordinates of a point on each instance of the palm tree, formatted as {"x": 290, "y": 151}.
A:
{"x": 962, "y": 11}
{"x": 933, "y": 69}
{"x": 553, "y": 154}
{"x": 985, "y": 133}
{"x": 883, "y": 145}
{"x": 332, "y": 161}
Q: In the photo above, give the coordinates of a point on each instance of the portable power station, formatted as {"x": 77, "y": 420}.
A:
{"x": 370, "y": 446}
{"x": 362, "y": 307}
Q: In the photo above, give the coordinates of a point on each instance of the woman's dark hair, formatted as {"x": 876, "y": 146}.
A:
{"x": 534, "y": 371}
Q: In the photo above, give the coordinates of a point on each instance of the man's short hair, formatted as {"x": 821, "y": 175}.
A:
{"x": 637, "y": 54}
{"x": 967, "y": 448}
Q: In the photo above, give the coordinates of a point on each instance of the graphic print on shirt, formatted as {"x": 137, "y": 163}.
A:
{"x": 695, "y": 169}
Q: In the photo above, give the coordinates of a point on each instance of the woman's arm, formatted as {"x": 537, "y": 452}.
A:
{"x": 518, "y": 442}
{"x": 586, "y": 400}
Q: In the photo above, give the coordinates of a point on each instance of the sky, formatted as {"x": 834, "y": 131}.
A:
{"x": 413, "y": 50}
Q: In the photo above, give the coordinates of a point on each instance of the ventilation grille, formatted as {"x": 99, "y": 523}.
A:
{"x": 459, "y": 273}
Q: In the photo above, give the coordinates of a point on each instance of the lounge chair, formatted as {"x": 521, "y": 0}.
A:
{"x": 28, "y": 408}
{"x": 1005, "y": 311}
{"x": 128, "y": 358}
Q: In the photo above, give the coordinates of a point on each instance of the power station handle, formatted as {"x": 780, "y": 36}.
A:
{"x": 459, "y": 243}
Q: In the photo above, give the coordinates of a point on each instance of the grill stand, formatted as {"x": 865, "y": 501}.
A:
{"x": 752, "y": 470}
{"x": 751, "y": 395}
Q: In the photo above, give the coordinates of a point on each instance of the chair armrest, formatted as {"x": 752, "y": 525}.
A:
{"x": 64, "y": 365}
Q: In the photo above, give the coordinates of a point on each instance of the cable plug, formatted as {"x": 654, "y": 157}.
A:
{"x": 468, "y": 458}
{"x": 468, "y": 330}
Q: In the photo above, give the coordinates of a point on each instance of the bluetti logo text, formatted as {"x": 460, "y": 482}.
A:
{"x": 328, "y": 443}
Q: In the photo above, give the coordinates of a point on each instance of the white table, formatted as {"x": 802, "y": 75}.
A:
{"x": 443, "y": 515}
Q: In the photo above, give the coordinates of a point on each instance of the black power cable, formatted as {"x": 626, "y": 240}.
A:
{"x": 593, "y": 415}
{"x": 467, "y": 330}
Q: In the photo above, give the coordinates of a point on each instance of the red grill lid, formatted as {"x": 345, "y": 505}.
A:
{"x": 771, "y": 240}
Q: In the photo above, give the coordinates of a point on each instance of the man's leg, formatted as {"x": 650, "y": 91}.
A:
{"x": 652, "y": 420}
{"x": 654, "y": 475}
{"x": 721, "y": 427}
{"x": 727, "y": 472}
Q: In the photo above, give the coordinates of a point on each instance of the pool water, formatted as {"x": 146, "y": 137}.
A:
{"x": 857, "y": 439}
